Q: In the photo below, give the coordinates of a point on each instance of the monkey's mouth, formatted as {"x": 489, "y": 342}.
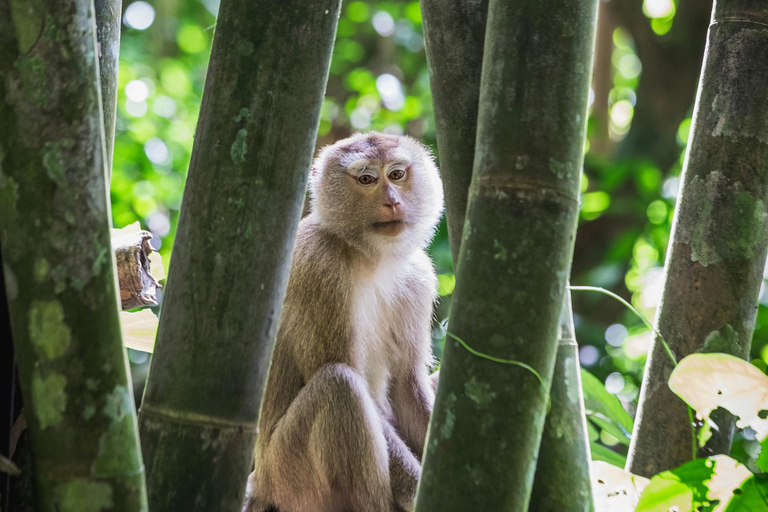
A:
{"x": 390, "y": 227}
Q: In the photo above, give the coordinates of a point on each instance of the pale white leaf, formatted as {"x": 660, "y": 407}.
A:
{"x": 614, "y": 489}
{"x": 708, "y": 381}
{"x": 139, "y": 329}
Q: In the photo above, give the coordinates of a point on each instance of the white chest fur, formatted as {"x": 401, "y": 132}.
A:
{"x": 376, "y": 329}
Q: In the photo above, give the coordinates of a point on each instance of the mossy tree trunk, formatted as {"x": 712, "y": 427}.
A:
{"x": 514, "y": 258}
{"x": 232, "y": 254}
{"x": 720, "y": 233}
{"x": 57, "y": 261}
{"x": 454, "y": 36}
{"x": 108, "y": 17}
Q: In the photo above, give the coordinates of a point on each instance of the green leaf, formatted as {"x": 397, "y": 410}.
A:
{"x": 604, "y": 423}
{"x": 751, "y": 496}
{"x": 762, "y": 460}
{"x": 708, "y": 381}
{"x": 598, "y": 401}
{"x": 605, "y": 454}
{"x": 700, "y": 485}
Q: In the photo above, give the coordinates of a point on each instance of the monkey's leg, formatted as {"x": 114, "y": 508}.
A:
{"x": 328, "y": 452}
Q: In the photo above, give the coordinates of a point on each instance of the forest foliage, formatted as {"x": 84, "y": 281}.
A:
{"x": 379, "y": 81}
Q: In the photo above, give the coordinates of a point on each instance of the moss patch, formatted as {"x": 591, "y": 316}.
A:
{"x": 118, "y": 446}
{"x": 239, "y": 149}
{"x": 49, "y": 400}
{"x": 725, "y": 340}
{"x": 118, "y": 450}
{"x": 48, "y": 331}
{"x": 479, "y": 392}
{"x": 722, "y": 223}
{"x": 446, "y": 429}
{"x": 82, "y": 495}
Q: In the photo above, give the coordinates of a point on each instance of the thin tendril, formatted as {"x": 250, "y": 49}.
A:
{"x": 631, "y": 308}
{"x": 498, "y": 359}
{"x": 661, "y": 338}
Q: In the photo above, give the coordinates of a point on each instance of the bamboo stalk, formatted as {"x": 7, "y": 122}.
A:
{"x": 515, "y": 257}
{"x": 57, "y": 262}
{"x": 562, "y": 480}
{"x": 454, "y": 33}
{"x": 454, "y": 36}
{"x": 720, "y": 234}
{"x": 108, "y": 17}
{"x": 232, "y": 254}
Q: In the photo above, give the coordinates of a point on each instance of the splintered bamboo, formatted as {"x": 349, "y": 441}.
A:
{"x": 514, "y": 258}
{"x": 232, "y": 254}
{"x": 719, "y": 237}
{"x": 58, "y": 264}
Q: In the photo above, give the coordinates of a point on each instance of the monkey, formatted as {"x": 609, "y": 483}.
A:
{"x": 349, "y": 395}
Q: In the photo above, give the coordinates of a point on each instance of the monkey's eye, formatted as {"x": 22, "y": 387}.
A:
{"x": 397, "y": 174}
{"x": 366, "y": 179}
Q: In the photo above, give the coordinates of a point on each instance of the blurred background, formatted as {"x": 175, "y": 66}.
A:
{"x": 647, "y": 65}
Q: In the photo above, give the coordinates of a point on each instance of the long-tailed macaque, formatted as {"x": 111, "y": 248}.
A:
{"x": 348, "y": 398}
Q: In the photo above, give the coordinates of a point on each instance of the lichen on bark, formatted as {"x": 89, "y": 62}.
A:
{"x": 718, "y": 245}
{"x": 55, "y": 240}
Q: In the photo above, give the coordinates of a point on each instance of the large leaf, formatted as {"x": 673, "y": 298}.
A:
{"x": 762, "y": 460}
{"x": 600, "y": 405}
{"x": 139, "y": 329}
{"x": 752, "y": 496}
{"x": 709, "y": 381}
{"x": 605, "y": 454}
{"x": 701, "y": 485}
{"x": 613, "y": 489}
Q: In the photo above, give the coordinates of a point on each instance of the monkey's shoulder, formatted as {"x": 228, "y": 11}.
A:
{"x": 320, "y": 253}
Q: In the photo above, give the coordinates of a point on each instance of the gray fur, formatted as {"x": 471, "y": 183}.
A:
{"x": 349, "y": 395}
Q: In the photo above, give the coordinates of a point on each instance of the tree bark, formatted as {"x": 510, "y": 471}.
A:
{"x": 562, "y": 480}
{"x": 720, "y": 233}
{"x": 454, "y": 33}
{"x": 515, "y": 256}
{"x": 58, "y": 268}
{"x": 232, "y": 253}
{"x": 108, "y": 17}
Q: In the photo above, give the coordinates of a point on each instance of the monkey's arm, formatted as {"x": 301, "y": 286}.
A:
{"x": 413, "y": 400}
{"x": 413, "y": 395}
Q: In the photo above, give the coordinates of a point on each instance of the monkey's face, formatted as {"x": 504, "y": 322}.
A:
{"x": 381, "y": 190}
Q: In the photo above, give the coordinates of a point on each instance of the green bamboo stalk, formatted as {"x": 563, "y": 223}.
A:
{"x": 232, "y": 254}
{"x": 454, "y": 33}
{"x": 720, "y": 233}
{"x": 515, "y": 256}
{"x": 108, "y": 17}
{"x": 562, "y": 480}
{"x": 454, "y": 36}
{"x": 58, "y": 264}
